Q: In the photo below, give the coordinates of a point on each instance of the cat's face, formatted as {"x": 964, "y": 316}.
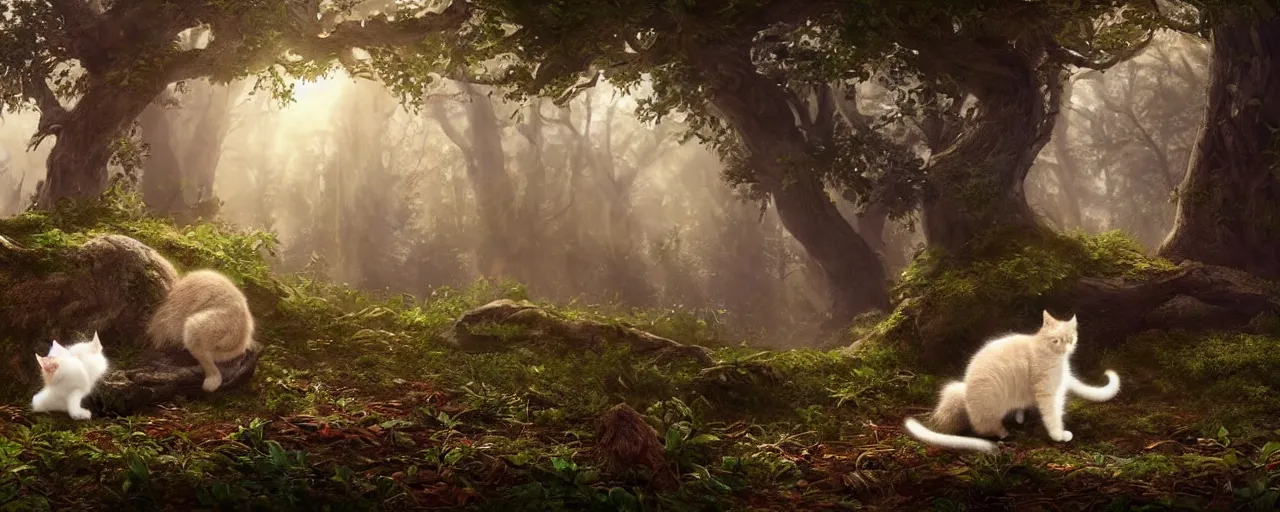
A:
{"x": 48, "y": 366}
{"x": 1061, "y": 335}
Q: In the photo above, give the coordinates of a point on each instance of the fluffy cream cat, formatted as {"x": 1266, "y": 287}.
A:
{"x": 209, "y": 316}
{"x": 1012, "y": 373}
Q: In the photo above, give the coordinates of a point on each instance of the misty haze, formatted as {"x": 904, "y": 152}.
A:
{"x": 592, "y": 255}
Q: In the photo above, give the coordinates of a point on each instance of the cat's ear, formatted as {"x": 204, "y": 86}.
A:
{"x": 57, "y": 349}
{"x": 97, "y": 343}
{"x": 1072, "y": 321}
{"x": 1049, "y": 319}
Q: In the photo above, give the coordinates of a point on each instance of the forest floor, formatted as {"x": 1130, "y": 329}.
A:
{"x": 361, "y": 404}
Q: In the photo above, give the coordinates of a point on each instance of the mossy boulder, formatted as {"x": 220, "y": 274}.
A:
{"x": 97, "y": 266}
{"x": 110, "y": 284}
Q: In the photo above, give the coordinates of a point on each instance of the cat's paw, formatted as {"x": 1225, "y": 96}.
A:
{"x": 212, "y": 383}
{"x": 1063, "y": 437}
{"x": 1019, "y": 416}
{"x": 80, "y": 414}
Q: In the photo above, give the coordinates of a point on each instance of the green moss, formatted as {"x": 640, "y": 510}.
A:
{"x": 238, "y": 253}
{"x": 1230, "y": 379}
{"x": 1004, "y": 275}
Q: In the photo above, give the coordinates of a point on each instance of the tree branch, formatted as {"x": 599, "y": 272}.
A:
{"x": 376, "y": 31}
{"x": 52, "y": 113}
{"x": 1055, "y": 82}
{"x": 1066, "y": 56}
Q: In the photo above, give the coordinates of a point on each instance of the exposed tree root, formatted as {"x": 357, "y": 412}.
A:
{"x": 1195, "y": 297}
{"x": 502, "y": 323}
{"x": 162, "y": 378}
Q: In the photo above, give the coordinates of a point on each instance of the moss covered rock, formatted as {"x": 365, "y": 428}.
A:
{"x": 110, "y": 284}
{"x": 96, "y": 266}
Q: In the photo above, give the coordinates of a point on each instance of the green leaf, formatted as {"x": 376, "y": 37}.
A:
{"x": 673, "y": 439}
{"x": 1267, "y": 450}
{"x": 453, "y": 456}
{"x": 276, "y": 453}
{"x": 563, "y": 465}
{"x": 587, "y": 477}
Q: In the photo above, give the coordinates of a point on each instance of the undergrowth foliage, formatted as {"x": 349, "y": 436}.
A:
{"x": 360, "y": 403}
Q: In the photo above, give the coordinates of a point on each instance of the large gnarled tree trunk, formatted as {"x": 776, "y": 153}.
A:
{"x": 77, "y": 164}
{"x": 127, "y": 53}
{"x": 757, "y": 109}
{"x": 1229, "y": 208}
{"x": 976, "y": 185}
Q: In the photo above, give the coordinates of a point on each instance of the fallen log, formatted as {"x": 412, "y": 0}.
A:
{"x": 504, "y": 323}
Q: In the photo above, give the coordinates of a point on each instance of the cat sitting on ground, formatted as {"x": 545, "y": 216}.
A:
{"x": 69, "y": 374}
{"x": 209, "y": 316}
{"x": 1012, "y": 373}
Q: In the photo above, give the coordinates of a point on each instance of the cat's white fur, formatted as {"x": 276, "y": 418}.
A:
{"x": 1012, "y": 373}
{"x": 69, "y": 374}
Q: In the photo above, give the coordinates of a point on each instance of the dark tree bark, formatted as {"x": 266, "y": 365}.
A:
{"x": 77, "y": 164}
{"x": 757, "y": 109}
{"x": 1229, "y": 206}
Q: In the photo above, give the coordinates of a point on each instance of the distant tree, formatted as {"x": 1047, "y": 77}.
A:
{"x": 184, "y": 135}
{"x": 127, "y": 53}
{"x": 558, "y": 43}
{"x": 1122, "y": 155}
{"x": 713, "y": 60}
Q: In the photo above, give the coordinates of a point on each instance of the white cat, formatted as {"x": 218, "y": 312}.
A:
{"x": 1012, "y": 373}
{"x": 69, "y": 375}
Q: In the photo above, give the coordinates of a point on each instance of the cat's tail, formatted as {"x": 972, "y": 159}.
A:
{"x": 1100, "y": 393}
{"x": 922, "y": 433}
{"x": 949, "y": 415}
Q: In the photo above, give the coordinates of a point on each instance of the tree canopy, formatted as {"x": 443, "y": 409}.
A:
{"x": 127, "y": 54}
{"x": 770, "y": 84}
